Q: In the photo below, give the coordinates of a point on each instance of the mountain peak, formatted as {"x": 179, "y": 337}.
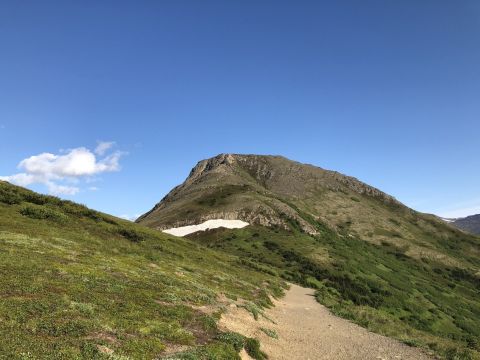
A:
{"x": 265, "y": 190}
{"x": 232, "y": 163}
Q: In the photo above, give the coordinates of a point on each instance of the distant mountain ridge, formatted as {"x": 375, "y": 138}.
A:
{"x": 469, "y": 223}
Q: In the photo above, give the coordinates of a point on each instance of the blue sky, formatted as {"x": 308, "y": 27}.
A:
{"x": 386, "y": 91}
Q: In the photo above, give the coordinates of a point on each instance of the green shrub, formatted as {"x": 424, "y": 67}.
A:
{"x": 39, "y": 199}
{"x": 213, "y": 351}
{"x": 270, "y": 332}
{"x": 132, "y": 235}
{"x": 89, "y": 350}
{"x": 253, "y": 309}
{"x": 232, "y": 338}
{"x": 252, "y": 347}
{"x": 42, "y": 213}
{"x": 9, "y": 196}
{"x": 73, "y": 328}
{"x": 458, "y": 354}
{"x": 259, "y": 267}
{"x": 411, "y": 342}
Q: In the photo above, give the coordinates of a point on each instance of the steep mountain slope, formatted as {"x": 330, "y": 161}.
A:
{"x": 387, "y": 267}
{"x": 79, "y": 284}
{"x": 279, "y": 193}
{"x": 469, "y": 223}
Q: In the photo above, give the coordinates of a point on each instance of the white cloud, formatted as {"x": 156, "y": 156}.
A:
{"x": 103, "y": 147}
{"x": 72, "y": 165}
{"x": 77, "y": 162}
{"x": 56, "y": 189}
{"x": 22, "y": 179}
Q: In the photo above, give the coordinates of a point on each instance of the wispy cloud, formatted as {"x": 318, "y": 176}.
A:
{"x": 103, "y": 147}
{"x": 54, "y": 170}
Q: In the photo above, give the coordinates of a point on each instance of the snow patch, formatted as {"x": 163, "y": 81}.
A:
{"x": 209, "y": 224}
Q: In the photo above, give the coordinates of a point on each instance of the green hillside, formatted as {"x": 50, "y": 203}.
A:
{"x": 420, "y": 302}
{"x": 373, "y": 260}
{"x": 79, "y": 284}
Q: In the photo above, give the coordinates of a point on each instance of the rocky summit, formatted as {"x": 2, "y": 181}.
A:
{"x": 264, "y": 190}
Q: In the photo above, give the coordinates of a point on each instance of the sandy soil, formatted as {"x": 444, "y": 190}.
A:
{"x": 307, "y": 330}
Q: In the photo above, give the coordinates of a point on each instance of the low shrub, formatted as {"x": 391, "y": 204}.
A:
{"x": 42, "y": 213}
{"x": 270, "y": 332}
{"x": 132, "y": 235}
{"x": 252, "y": 347}
{"x": 39, "y": 199}
{"x": 235, "y": 339}
{"x": 9, "y": 196}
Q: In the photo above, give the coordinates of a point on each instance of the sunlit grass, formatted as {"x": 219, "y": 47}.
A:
{"x": 78, "y": 284}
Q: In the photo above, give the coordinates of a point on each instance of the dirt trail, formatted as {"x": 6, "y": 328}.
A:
{"x": 307, "y": 330}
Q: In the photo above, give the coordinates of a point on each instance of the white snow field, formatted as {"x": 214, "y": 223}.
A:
{"x": 209, "y": 224}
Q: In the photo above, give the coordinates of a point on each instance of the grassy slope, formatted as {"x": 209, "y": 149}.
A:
{"x": 73, "y": 279}
{"x": 422, "y": 302}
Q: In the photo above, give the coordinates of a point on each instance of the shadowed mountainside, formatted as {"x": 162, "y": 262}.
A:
{"x": 469, "y": 223}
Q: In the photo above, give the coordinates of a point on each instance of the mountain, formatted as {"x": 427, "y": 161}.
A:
{"x": 279, "y": 193}
{"x": 263, "y": 190}
{"x": 372, "y": 260}
{"x": 469, "y": 223}
{"x": 79, "y": 284}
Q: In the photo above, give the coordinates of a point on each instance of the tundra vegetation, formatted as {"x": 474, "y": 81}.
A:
{"x": 79, "y": 284}
{"x": 421, "y": 302}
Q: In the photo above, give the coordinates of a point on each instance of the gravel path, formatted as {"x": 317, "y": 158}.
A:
{"x": 307, "y": 330}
